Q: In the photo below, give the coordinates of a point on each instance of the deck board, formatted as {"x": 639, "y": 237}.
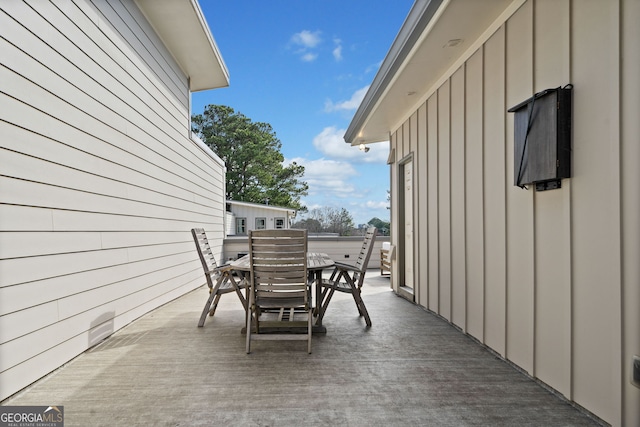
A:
{"x": 410, "y": 368}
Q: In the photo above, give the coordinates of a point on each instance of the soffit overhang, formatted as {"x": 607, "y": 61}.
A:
{"x": 435, "y": 37}
{"x": 184, "y": 31}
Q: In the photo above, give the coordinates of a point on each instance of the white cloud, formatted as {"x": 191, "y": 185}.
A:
{"x": 371, "y": 204}
{"x": 330, "y": 142}
{"x": 337, "y": 51}
{"x": 327, "y": 176}
{"x": 306, "y": 39}
{"x": 309, "y": 57}
{"x": 346, "y": 177}
{"x": 349, "y": 105}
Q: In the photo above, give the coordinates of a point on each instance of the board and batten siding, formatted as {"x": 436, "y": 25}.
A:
{"x": 100, "y": 181}
{"x": 548, "y": 280}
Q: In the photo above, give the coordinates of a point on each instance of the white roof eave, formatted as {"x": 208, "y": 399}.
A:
{"x": 419, "y": 16}
{"x": 184, "y": 31}
{"x": 436, "y": 37}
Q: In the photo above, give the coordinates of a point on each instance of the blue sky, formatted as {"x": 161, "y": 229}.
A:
{"x": 303, "y": 66}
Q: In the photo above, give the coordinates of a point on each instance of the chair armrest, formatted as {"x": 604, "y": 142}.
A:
{"x": 340, "y": 269}
{"x": 345, "y": 267}
{"x": 220, "y": 269}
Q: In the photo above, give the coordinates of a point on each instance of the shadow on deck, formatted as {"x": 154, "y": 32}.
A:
{"x": 409, "y": 368}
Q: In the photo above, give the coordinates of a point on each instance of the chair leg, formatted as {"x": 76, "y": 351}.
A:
{"x": 318, "y": 308}
{"x": 325, "y": 303}
{"x": 213, "y": 293}
{"x": 203, "y": 316}
{"x": 243, "y": 300}
{"x": 248, "y": 330}
{"x": 251, "y": 307}
{"x": 309, "y": 329}
{"x": 216, "y": 300}
{"x": 361, "y": 307}
{"x": 355, "y": 299}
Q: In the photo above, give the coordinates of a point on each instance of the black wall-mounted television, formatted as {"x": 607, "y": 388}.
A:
{"x": 542, "y": 138}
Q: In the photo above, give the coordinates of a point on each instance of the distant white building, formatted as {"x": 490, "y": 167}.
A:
{"x": 244, "y": 216}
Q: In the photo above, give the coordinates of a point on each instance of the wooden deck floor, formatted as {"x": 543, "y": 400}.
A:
{"x": 410, "y": 368}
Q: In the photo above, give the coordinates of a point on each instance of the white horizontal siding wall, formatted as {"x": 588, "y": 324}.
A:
{"x": 549, "y": 280}
{"x": 99, "y": 181}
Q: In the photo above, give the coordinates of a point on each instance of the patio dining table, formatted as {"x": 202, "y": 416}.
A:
{"x": 316, "y": 262}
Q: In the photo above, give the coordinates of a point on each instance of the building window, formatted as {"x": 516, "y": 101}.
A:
{"x": 261, "y": 223}
{"x": 241, "y": 225}
{"x": 279, "y": 222}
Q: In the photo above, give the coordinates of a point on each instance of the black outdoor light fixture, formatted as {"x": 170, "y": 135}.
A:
{"x": 542, "y": 139}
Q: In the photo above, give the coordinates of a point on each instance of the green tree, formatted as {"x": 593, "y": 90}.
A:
{"x": 251, "y": 153}
{"x": 340, "y": 221}
{"x": 327, "y": 220}
{"x": 309, "y": 224}
{"x": 382, "y": 226}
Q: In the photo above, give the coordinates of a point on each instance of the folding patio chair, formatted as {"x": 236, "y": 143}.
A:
{"x": 279, "y": 300}
{"x": 349, "y": 278}
{"x": 219, "y": 278}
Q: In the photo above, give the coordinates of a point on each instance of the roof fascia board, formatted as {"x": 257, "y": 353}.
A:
{"x": 173, "y": 39}
{"x": 209, "y": 35}
{"x": 419, "y": 17}
{"x": 486, "y": 35}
